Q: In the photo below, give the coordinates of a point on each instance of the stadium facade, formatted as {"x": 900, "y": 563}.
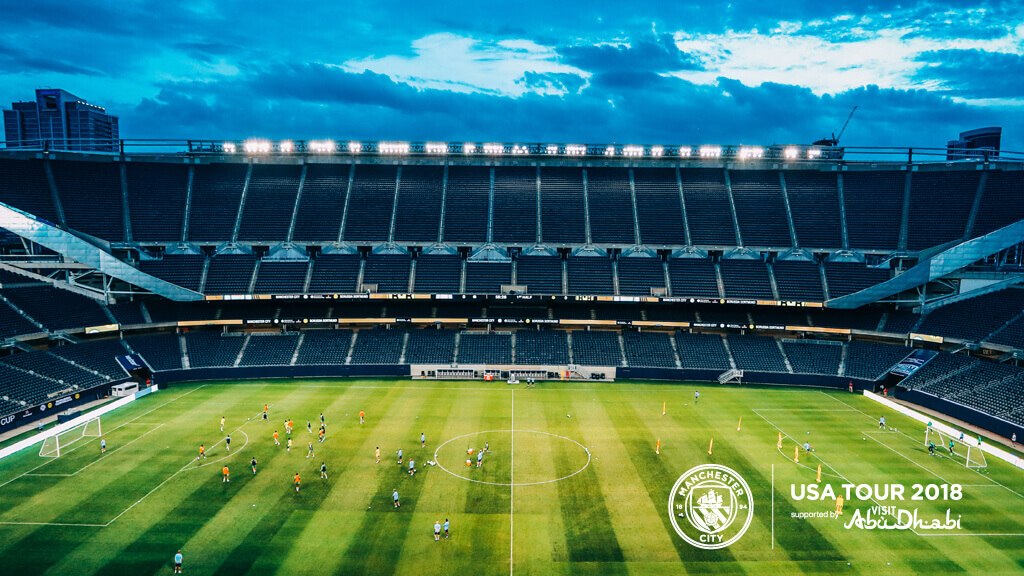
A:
{"x": 789, "y": 265}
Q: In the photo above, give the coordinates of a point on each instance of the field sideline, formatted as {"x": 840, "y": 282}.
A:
{"x": 572, "y": 484}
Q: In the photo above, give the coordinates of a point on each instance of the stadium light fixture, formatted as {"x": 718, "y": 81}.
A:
{"x": 355, "y": 147}
{"x": 494, "y": 149}
{"x": 684, "y": 151}
{"x": 552, "y": 149}
{"x": 468, "y": 148}
{"x": 321, "y": 146}
{"x": 286, "y": 146}
{"x": 575, "y": 150}
{"x": 750, "y": 152}
{"x": 657, "y": 151}
{"x": 228, "y": 147}
{"x": 813, "y": 153}
{"x": 790, "y": 153}
{"x": 257, "y": 146}
{"x": 520, "y": 149}
{"x": 609, "y": 151}
{"x": 437, "y": 148}
{"x": 710, "y": 151}
{"x": 393, "y": 148}
{"x": 633, "y": 151}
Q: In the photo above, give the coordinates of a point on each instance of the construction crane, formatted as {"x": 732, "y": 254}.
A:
{"x": 834, "y": 140}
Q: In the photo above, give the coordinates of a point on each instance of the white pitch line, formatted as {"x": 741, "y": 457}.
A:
{"x": 512, "y": 487}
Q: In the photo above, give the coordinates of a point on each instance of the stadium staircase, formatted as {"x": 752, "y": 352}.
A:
{"x": 732, "y": 376}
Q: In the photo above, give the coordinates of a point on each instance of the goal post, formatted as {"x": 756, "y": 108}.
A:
{"x": 973, "y": 456}
{"x": 52, "y": 446}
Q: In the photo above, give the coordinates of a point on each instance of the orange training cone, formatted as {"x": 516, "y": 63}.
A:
{"x": 711, "y": 445}
{"x": 657, "y": 449}
{"x": 819, "y": 473}
{"x": 796, "y": 453}
{"x": 780, "y": 441}
{"x": 664, "y": 407}
{"x": 739, "y": 424}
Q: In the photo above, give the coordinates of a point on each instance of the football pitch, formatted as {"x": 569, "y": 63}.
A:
{"x": 571, "y": 484}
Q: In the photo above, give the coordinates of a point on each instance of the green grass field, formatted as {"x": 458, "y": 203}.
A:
{"x": 559, "y": 495}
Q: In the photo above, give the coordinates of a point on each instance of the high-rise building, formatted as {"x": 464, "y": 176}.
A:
{"x": 59, "y": 120}
{"x": 975, "y": 144}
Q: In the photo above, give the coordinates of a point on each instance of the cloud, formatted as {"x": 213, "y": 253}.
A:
{"x": 653, "y": 54}
{"x": 465, "y": 64}
{"x": 16, "y": 60}
{"x": 974, "y": 73}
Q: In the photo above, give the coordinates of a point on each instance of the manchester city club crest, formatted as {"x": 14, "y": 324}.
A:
{"x": 711, "y": 506}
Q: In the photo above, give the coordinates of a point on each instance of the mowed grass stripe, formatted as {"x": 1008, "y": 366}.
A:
{"x": 658, "y": 478}
{"x": 384, "y": 529}
{"x": 589, "y": 536}
{"x": 247, "y": 552}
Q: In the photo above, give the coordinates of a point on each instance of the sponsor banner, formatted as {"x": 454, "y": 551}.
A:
{"x": 131, "y": 362}
{"x": 926, "y": 338}
{"x": 913, "y": 362}
{"x": 187, "y": 323}
{"x": 101, "y": 329}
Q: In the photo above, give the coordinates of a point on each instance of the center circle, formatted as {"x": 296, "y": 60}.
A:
{"x": 513, "y": 457}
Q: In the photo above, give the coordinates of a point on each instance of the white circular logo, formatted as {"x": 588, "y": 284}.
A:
{"x": 711, "y": 506}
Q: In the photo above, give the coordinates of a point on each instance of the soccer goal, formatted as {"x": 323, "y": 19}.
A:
{"x": 973, "y": 456}
{"x": 52, "y": 446}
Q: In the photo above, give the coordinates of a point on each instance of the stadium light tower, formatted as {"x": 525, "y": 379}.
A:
{"x": 657, "y": 151}
{"x": 468, "y": 148}
{"x": 286, "y": 146}
{"x": 751, "y": 152}
{"x": 575, "y": 150}
{"x": 257, "y": 146}
{"x": 393, "y": 148}
{"x": 790, "y": 153}
{"x": 355, "y": 147}
{"x": 552, "y": 149}
{"x": 494, "y": 149}
{"x": 229, "y": 147}
{"x": 609, "y": 151}
{"x": 633, "y": 151}
{"x": 684, "y": 151}
{"x": 437, "y": 148}
{"x": 520, "y": 149}
{"x": 813, "y": 153}
{"x": 322, "y": 146}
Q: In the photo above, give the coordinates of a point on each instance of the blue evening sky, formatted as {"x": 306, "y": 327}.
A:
{"x": 629, "y": 71}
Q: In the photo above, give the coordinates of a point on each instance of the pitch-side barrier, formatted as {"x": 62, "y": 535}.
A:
{"x": 62, "y": 428}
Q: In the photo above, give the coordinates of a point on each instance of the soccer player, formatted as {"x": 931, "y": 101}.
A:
{"x": 376, "y": 454}
{"x": 321, "y": 419}
{"x": 696, "y": 397}
{"x": 807, "y": 447}
{"x": 931, "y": 448}
{"x": 298, "y": 481}
{"x": 291, "y": 425}
{"x": 309, "y": 426}
{"x": 881, "y": 423}
{"x": 277, "y": 442}
{"x": 394, "y": 494}
{"x": 289, "y": 447}
{"x": 265, "y": 408}
{"x": 479, "y": 458}
{"x": 1013, "y": 440}
{"x": 399, "y": 455}
{"x": 226, "y": 472}
{"x": 321, "y": 435}
{"x": 103, "y": 445}
{"x": 423, "y": 440}
{"x": 227, "y": 443}
{"x": 310, "y": 453}
{"x": 445, "y": 528}
{"x": 437, "y": 530}
{"x": 951, "y": 447}
{"x": 487, "y": 447}
{"x": 202, "y": 452}
{"x": 412, "y": 467}
{"x": 362, "y": 416}
{"x": 323, "y": 470}
{"x": 253, "y": 464}
{"x": 222, "y": 423}
{"x": 961, "y": 435}
{"x": 177, "y": 562}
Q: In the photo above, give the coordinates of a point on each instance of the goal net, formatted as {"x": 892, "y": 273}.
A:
{"x": 947, "y": 444}
{"x": 52, "y": 446}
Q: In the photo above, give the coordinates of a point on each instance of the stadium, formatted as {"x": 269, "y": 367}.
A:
{"x": 591, "y": 323}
